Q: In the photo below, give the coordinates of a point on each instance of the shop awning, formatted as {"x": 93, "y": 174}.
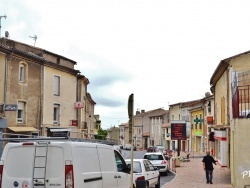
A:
{"x": 23, "y": 129}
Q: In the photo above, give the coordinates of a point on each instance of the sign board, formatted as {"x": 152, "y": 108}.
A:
{"x": 10, "y": 107}
{"x": 79, "y": 105}
{"x": 178, "y": 131}
{"x": 58, "y": 132}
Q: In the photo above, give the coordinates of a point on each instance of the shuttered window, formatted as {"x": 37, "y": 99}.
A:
{"x": 223, "y": 110}
{"x": 56, "y": 86}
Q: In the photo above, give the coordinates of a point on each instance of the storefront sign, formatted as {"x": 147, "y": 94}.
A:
{"x": 178, "y": 131}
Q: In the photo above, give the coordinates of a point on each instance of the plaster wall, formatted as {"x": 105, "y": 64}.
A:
{"x": 66, "y": 99}
{"x": 2, "y": 77}
{"x": 240, "y": 160}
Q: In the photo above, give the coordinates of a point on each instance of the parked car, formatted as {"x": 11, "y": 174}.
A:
{"x": 158, "y": 160}
{"x": 160, "y": 148}
{"x": 143, "y": 170}
{"x": 151, "y": 149}
{"x": 128, "y": 147}
{"x": 62, "y": 164}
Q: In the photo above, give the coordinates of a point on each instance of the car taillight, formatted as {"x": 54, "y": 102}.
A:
{"x": 1, "y": 175}
{"x": 163, "y": 162}
{"x": 69, "y": 177}
{"x": 141, "y": 178}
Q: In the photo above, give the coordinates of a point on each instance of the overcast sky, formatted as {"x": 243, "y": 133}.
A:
{"x": 162, "y": 51}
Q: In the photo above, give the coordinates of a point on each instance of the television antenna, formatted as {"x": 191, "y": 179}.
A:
{"x": 35, "y": 38}
{"x": 0, "y": 22}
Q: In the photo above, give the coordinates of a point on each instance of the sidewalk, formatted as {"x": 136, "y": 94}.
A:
{"x": 191, "y": 175}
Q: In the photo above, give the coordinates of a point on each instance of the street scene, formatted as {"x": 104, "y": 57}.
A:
{"x": 124, "y": 94}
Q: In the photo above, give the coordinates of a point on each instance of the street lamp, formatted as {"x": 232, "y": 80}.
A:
{"x": 0, "y": 22}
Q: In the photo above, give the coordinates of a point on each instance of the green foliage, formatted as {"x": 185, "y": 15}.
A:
{"x": 102, "y": 134}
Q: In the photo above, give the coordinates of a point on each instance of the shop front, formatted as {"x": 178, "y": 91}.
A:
{"x": 221, "y": 147}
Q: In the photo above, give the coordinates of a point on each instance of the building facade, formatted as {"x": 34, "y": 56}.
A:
{"x": 230, "y": 86}
{"x": 39, "y": 90}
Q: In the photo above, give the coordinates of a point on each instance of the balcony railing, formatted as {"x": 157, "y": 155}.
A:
{"x": 240, "y": 88}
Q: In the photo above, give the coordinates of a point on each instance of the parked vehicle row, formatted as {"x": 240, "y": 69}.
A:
{"x": 63, "y": 164}
{"x": 128, "y": 147}
{"x": 41, "y": 163}
{"x": 157, "y": 148}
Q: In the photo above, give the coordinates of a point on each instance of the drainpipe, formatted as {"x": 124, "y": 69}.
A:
{"x": 5, "y": 82}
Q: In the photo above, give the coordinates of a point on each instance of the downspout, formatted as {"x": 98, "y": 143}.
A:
{"x": 5, "y": 82}
{"x": 40, "y": 131}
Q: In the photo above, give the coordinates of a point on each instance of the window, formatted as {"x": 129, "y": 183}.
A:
{"x": 56, "y": 115}
{"x": 209, "y": 107}
{"x": 20, "y": 112}
{"x": 223, "y": 110}
{"x": 22, "y": 72}
{"x": 56, "y": 87}
{"x": 120, "y": 163}
{"x": 200, "y": 122}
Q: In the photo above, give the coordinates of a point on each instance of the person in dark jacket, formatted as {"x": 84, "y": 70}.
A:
{"x": 208, "y": 161}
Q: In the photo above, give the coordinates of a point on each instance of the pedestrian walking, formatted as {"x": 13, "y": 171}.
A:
{"x": 208, "y": 161}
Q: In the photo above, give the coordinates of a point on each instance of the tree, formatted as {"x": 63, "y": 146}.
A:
{"x": 102, "y": 134}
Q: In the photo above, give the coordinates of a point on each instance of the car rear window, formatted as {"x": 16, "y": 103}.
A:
{"x": 136, "y": 166}
{"x": 153, "y": 157}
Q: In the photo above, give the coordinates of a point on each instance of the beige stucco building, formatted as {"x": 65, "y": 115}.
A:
{"x": 41, "y": 90}
{"x": 230, "y": 86}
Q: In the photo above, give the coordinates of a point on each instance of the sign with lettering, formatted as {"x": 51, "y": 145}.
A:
{"x": 11, "y": 107}
{"x": 178, "y": 131}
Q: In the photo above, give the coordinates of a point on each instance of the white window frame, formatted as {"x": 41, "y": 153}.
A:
{"x": 56, "y": 114}
{"x": 21, "y": 112}
{"x": 56, "y": 85}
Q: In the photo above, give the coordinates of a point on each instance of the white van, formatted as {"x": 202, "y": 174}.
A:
{"x": 62, "y": 164}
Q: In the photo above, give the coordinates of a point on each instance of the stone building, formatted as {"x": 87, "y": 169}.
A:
{"x": 41, "y": 91}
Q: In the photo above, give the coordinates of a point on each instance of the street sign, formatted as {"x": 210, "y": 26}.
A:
{"x": 178, "y": 131}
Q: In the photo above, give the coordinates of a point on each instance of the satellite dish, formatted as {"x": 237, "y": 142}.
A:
{"x": 7, "y": 34}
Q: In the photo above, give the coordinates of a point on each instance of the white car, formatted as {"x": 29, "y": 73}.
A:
{"x": 160, "y": 149}
{"x": 143, "y": 169}
{"x": 158, "y": 160}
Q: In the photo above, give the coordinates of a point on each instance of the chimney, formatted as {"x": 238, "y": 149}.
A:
{"x": 142, "y": 111}
{"x": 207, "y": 94}
{"x": 137, "y": 112}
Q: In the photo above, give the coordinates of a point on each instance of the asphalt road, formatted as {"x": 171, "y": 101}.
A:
{"x": 139, "y": 155}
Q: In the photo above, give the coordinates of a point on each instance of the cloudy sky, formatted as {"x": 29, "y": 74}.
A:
{"x": 162, "y": 51}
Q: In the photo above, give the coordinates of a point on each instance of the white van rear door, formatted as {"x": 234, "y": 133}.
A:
{"x": 18, "y": 167}
{"x": 18, "y": 163}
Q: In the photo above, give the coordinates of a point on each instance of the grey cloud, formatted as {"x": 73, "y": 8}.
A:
{"x": 102, "y": 101}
